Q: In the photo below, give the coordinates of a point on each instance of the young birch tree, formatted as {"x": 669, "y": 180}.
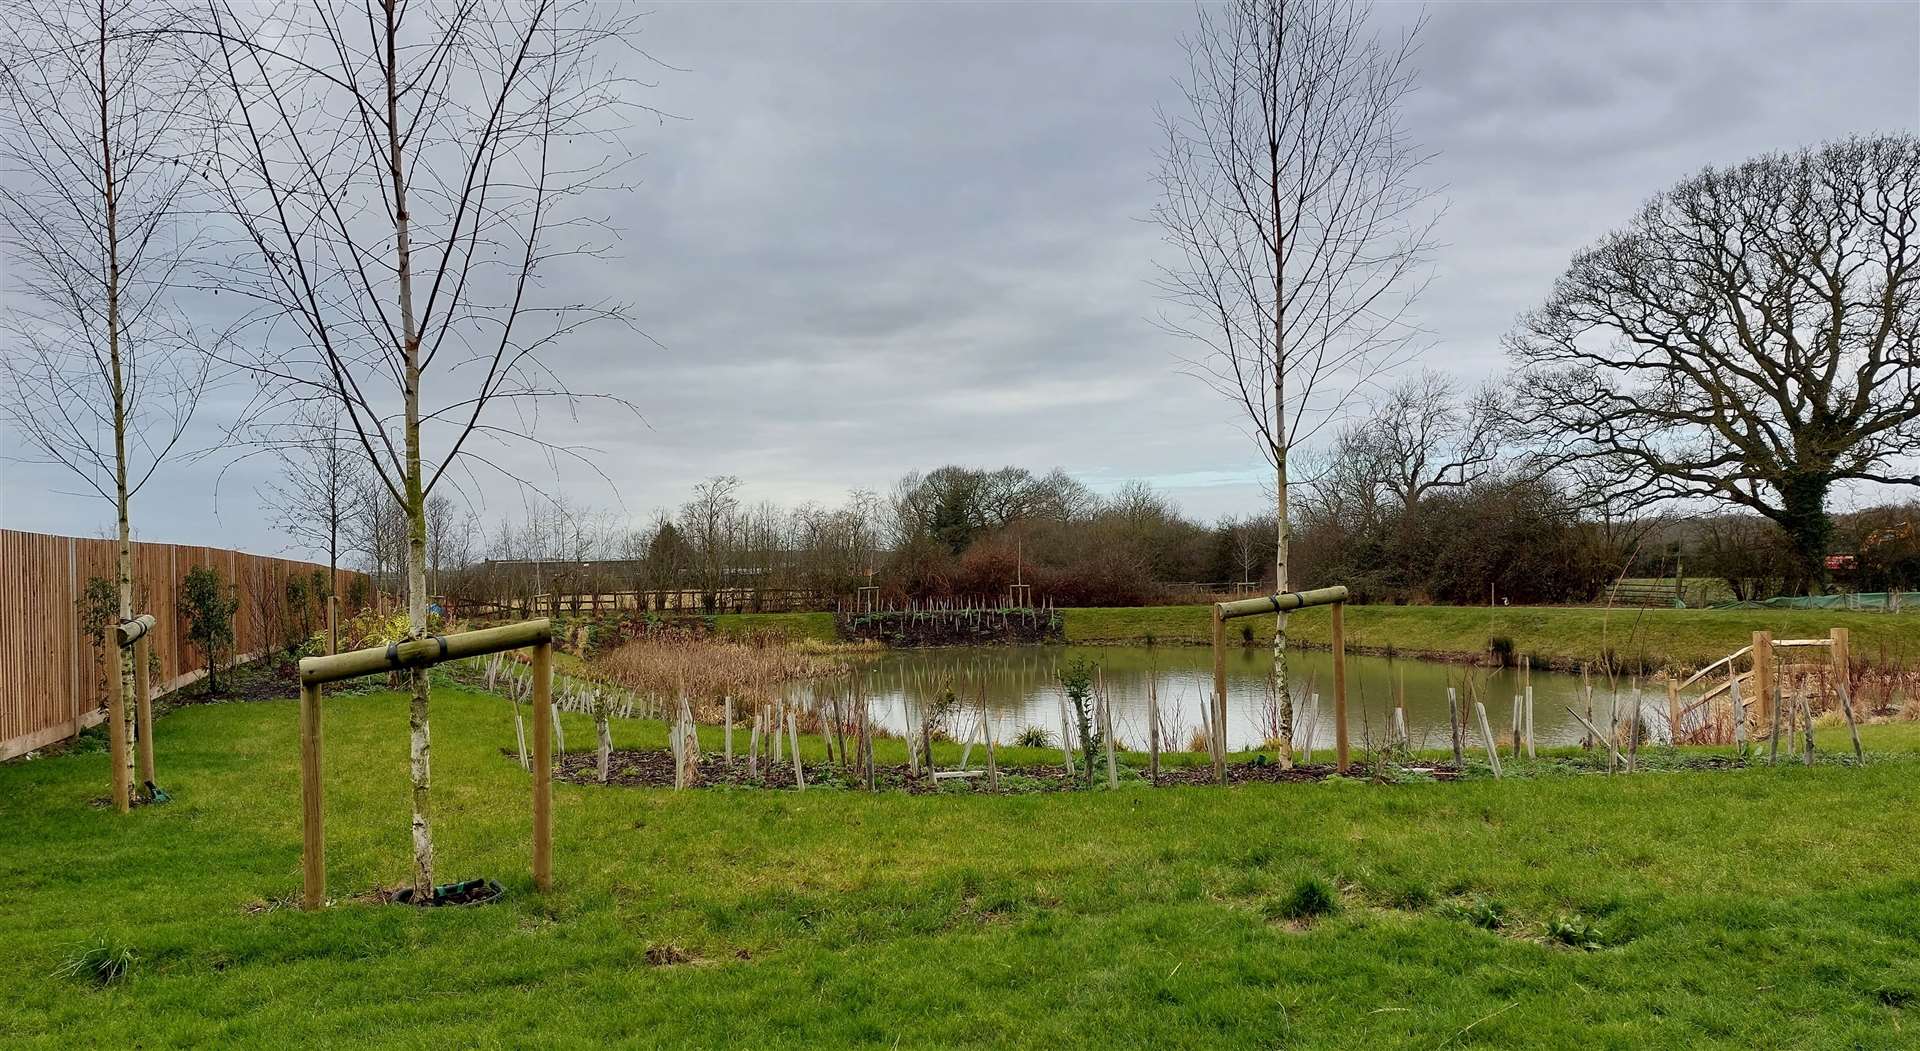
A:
{"x": 403, "y": 176}
{"x": 102, "y": 371}
{"x": 1289, "y": 194}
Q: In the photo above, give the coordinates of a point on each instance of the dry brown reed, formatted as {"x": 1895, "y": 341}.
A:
{"x": 661, "y": 664}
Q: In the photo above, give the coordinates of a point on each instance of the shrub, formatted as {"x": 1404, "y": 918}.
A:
{"x": 208, "y": 607}
{"x": 1310, "y": 898}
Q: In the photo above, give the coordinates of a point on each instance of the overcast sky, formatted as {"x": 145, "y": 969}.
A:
{"x": 879, "y": 238}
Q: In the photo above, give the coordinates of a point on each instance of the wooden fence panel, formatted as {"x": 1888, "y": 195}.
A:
{"x": 51, "y": 679}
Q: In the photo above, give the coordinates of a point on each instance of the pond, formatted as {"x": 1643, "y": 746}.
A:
{"x": 1022, "y": 689}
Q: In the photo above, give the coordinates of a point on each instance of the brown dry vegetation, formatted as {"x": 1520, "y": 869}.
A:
{"x": 708, "y": 668}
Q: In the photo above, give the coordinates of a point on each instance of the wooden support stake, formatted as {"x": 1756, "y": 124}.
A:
{"x": 543, "y": 766}
{"x": 753, "y": 746}
{"x": 1843, "y": 683}
{"x": 143, "y": 710}
{"x": 313, "y": 858}
{"x": 1763, "y": 671}
{"x": 1486, "y": 735}
{"x": 1673, "y": 710}
{"x": 1340, "y": 686}
{"x": 333, "y": 624}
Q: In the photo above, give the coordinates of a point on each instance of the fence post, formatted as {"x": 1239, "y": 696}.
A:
{"x": 73, "y": 618}
{"x": 1340, "y": 685}
{"x": 313, "y": 863}
{"x": 1763, "y": 672}
{"x": 543, "y": 766}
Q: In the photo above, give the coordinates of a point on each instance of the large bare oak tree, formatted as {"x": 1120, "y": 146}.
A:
{"x": 1752, "y": 336}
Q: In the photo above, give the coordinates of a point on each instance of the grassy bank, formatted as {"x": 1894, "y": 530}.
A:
{"x": 1562, "y": 636}
{"x": 1764, "y": 907}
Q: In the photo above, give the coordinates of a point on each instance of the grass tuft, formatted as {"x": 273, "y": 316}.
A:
{"x": 1310, "y": 898}
{"x": 101, "y": 963}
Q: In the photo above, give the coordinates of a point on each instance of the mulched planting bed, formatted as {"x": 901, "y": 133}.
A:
{"x": 653, "y": 768}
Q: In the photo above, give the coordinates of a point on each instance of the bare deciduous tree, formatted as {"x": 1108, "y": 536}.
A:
{"x": 321, "y": 469}
{"x": 403, "y": 176}
{"x": 1752, "y": 337}
{"x": 1289, "y": 192}
{"x": 102, "y": 371}
{"x": 1421, "y": 436}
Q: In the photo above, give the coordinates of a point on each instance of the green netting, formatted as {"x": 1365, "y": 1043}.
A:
{"x": 1864, "y": 601}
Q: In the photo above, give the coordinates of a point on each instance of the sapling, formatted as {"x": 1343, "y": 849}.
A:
{"x": 1076, "y": 680}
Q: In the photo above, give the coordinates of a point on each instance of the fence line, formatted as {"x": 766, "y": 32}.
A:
{"x": 50, "y": 676}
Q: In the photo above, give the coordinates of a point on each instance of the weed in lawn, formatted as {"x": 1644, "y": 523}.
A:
{"x": 1483, "y": 913}
{"x": 102, "y": 963}
{"x": 1577, "y": 932}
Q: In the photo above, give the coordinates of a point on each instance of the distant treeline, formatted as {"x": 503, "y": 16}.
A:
{"x": 965, "y": 533}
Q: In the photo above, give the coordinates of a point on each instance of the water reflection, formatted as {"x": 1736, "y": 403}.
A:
{"x": 1021, "y": 688}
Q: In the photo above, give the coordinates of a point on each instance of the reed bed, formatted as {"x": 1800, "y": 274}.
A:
{"x": 709, "y": 669}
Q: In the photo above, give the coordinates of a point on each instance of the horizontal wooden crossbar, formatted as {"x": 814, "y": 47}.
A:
{"x": 420, "y": 653}
{"x": 1285, "y": 601}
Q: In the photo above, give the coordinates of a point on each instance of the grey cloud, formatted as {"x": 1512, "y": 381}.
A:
{"x": 879, "y": 238}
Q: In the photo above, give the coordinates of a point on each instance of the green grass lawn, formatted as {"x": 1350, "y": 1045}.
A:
{"x": 1755, "y": 908}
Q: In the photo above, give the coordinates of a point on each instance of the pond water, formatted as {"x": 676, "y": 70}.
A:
{"x": 1022, "y": 688}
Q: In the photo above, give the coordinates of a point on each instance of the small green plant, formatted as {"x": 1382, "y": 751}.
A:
{"x": 1310, "y": 898}
{"x": 208, "y": 606}
{"x": 1480, "y": 912}
{"x": 1501, "y": 647}
{"x": 1076, "y": 679}
{"x": 102, "y": 963}
{"x": 1033, "y": 737}
{"x": 99, "y": 610}
{"x": 1575, "y": 931}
